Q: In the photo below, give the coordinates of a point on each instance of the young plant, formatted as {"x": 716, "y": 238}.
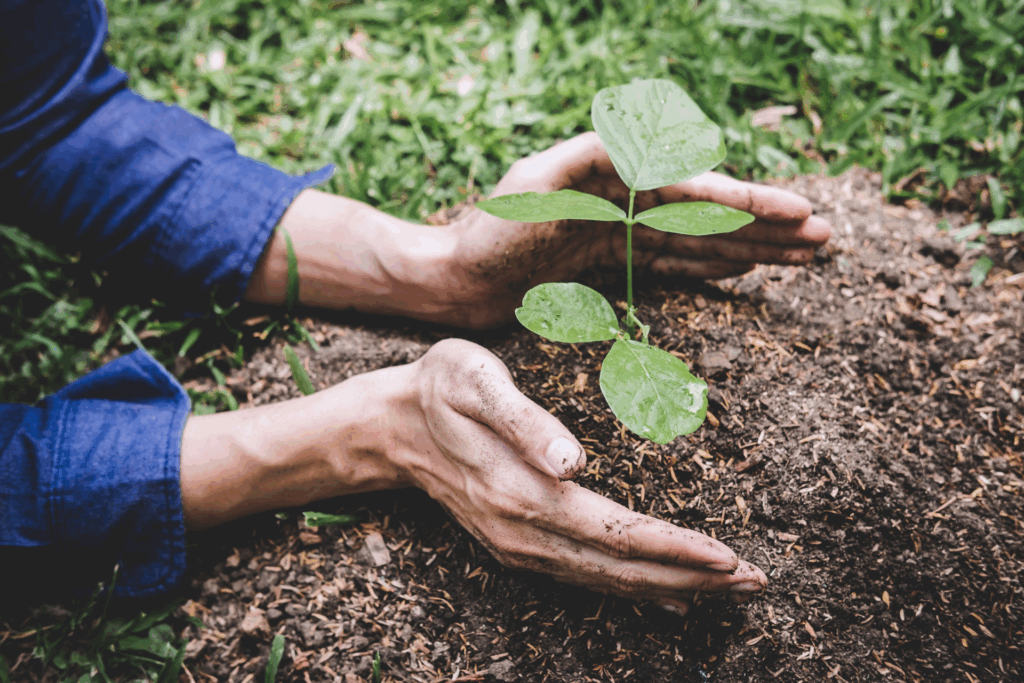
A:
{"x": 656, "y": 136}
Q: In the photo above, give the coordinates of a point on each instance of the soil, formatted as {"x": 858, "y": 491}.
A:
{"x": 863, "y": 447}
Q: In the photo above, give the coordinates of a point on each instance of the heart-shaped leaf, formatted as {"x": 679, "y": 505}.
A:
{"x": 568, "y": 312}
{"x": 695, "y": 218}
{"x": 655, "y": 134}
{"x": 652, "y": 392}
{"x": 534, "y": 207}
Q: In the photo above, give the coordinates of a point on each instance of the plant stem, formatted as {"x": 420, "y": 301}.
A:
{"x": 629, "y": 263}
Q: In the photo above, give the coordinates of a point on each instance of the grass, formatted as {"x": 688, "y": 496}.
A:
{"x": 420, "y": 104}
{"x": 91, "y": 642}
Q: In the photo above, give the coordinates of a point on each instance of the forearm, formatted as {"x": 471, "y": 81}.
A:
{"x": 351, "y": 255}
{"x": 329, "y": 444}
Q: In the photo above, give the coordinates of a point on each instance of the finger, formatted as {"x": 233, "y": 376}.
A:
{"x": 719, "y": 249}
{"x": 697, "y": 268}
{"x": 768, "y": 203}
{"x": 644, "y": 580}
{"x": 813, "y": 232}
{"x": 563, "y": 165}
{"x": 483, "y": 390}
{"x": 678, "y": 607}
{"x": 617, "y": 532}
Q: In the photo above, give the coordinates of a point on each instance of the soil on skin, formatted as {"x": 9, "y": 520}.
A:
{"x": 863, "y": 446}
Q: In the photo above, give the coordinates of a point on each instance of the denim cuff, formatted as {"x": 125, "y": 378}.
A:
{"x": 113, "y": 491}
{"x": 224, "y": 224}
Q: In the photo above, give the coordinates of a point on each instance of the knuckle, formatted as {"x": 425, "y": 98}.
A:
{"x": 518, "y": 561}
{"x": 510, "y": 508}
{"x": 630, "y": 579}
{"x": 514, "y": 555}
{"x": 619, "y": 541}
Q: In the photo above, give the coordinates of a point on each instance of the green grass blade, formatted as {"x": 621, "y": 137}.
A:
{"x": 1007, "y": 226}
{"x": 171, "y": 667}
{"x": 192, "y": 338}
{"x": 292, "y": 297}
{"x": 130, "y": 333}
{"x": 304, "y": 333}
{"x": 276, "y": 652}
{"x": 302, "y": 380}
{"x": 376, "y": 667}
{"x": 980, "y": 270}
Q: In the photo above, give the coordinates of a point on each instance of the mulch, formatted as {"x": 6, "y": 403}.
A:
{"x": 863, "y": 447}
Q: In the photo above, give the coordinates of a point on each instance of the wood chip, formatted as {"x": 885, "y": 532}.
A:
{"x": 375, "y": 551}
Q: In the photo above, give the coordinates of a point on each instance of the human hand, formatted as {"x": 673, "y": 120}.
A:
{"x": 500, "y": 464}
{"x": 494, "y": 262}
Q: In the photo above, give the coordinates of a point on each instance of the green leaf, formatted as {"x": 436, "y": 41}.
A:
{"x": 304, "y": 333}
{"x": 292, "y": 297}
{"x": 966, "y": 231}
{"x": 695, "y": 218}
{"x": 192, "y": 338}
{"x": 655, "y": 134}
{"x": 652, "y": 392}
{"x": 568, "y": 312}
{"x": 130, "y": 333}
{"x": 276, "y": 651}
{"x": 980, "y": 270}
{"x": 218, "y": 376}
{"x": 302, "y": 380}
{"x": 535, "y": 207}
{"x": 376, "y": 668}
{"x": 171, "y": 667}
{"x": 997, "y": 198}
{"x": 324, "y": 519}
{"x": 1007, "y": 226}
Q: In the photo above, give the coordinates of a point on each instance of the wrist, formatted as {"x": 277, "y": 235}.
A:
{"x": 351, "y": 255}
{"x": 333, "y": 443}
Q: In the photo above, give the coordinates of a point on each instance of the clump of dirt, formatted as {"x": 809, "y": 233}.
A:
{"x": 863, "y": 446}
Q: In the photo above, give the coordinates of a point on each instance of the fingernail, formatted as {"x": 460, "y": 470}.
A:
{"x": 674, "y": 609}
{"x": 562, "y": 456}
{"x": 746, "y": 587}
{"x": 727, "y": 567}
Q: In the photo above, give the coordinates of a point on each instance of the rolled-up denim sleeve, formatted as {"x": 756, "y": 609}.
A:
{"x": 152, "y": 194}
{"x": 92, "y": 473}
{"x": 162, "y": 202}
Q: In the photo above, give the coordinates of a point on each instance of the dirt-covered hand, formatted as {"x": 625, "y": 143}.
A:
{"x": 496, "y": 261}
{"x": 501, "y": 464}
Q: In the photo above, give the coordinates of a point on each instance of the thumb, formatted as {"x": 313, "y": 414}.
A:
{"x": 489, "y": 396}
{"x": 563, "y": 165}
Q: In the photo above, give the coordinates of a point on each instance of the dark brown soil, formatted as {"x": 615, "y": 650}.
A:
{"x": 863, "y": 447}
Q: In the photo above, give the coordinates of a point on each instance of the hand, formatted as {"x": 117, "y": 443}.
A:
{"x": 453, "y": 424}
{"x": 496, "y": 261}
{"x": 475, "y": 271}
{"x": 500, "y": 465}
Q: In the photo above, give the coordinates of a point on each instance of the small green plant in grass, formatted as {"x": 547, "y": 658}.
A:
{"x": 656, "y": 136}
{"x": 977, "y": 233}
{"x": 92, "y": 645}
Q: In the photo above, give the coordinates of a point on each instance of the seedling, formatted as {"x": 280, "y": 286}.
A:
{"x": 656, "y": 136}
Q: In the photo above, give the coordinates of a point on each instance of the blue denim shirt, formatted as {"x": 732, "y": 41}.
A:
{"x": 159, "y": 198}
